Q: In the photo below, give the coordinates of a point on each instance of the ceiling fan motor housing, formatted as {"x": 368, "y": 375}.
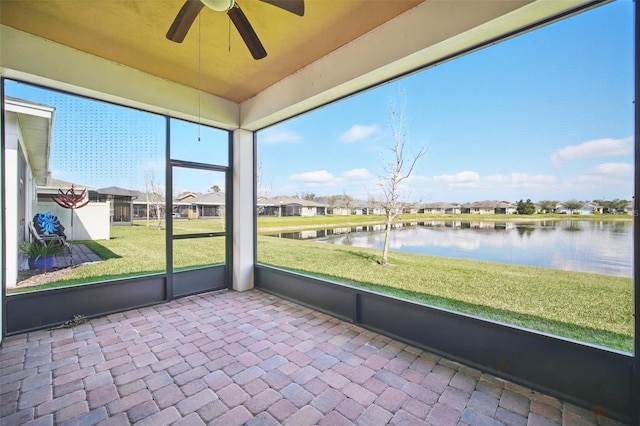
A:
{"x": 219, "y": 5}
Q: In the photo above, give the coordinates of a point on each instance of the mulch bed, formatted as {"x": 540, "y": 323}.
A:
{"x": 34, "y": 277}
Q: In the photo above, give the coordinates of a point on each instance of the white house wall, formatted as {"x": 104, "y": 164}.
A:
{"x": 90, "y": 222}
{"x": 12, "y": 138}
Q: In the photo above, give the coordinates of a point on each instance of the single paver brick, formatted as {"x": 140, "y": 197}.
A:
{"x": 472, "y": 417}
{"x": 248, "y": 375}
{"x": 544, "y": 410}
{"x": 443, "y": 415}
{"x": 463, "y": 382}
{"x": 162, "y": 418}
{"x": 483, "y": 403}
{"x": 129, "y": 401}
{"x": 35, "y": 381}
{"x": 73, "y": 376}
{"x": 276, "y": 379}
{"x": 328, "y": 400}
{"x": 232, "y": 395}
{"x": 307, "y": 415}
{"x": 537, "y": 420}
{"x": 142, "y": 411}
{"x": 60, "y": 403}
{"x": 515, "y": 402}
{"x": 297, "y": 394}
{"x": 195, "y": 402}
{"x": 374, "y": 415}
{"x": 132, "y": 375}
{"x": 217, "y": 380}
{"x": 262, "y": 401}
{"x": 190, "y": 375}
{"x": 282, "y": 409}
{"x": 334, "y": 419}
{"x": 360, "y": 374}
{"x": 333, "y": 379}
{"x": 72, "y": 411}
{"x": 359, "y": 394}
{"x": 390, "y": 378}
{"x": 102, "y": 396}
{"x": 510, "y": 418}
{"x": 455, "y": 398}
{"x": 350, "y": 409}
{"x": 304, "y": 374}
{"x": 237, "y": 416}
{"x": 144, "y": 359}
{"x": 97, "y": 380}
{"x": 158, "y": 380}
{"x": 391, "y": 399}
{"x": 93, "y": 417}
{"x": 35, "y": 397}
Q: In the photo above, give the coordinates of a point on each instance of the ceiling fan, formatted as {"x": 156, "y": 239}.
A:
{"x": 191, "y": 8}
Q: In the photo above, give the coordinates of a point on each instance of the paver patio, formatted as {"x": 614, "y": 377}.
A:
{"x": 233, "y": 358}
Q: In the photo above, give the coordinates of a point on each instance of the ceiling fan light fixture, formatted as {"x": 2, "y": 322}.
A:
{"x": 219, "y": 5}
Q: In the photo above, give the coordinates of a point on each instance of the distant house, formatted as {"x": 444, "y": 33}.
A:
{"x": 505, "y": 207}
{"x": 479, "y": 207}
{"x": 211, "y": 204}
{"x": 121, "y": 200}
{"x": 489, "y": 207}
{"x": 291, "y": 206}
{"x": 591, "y": 208}
{"x": 440, "y": 208}
{"x": 335, "y": 205}
{"x": 586, "y": 208}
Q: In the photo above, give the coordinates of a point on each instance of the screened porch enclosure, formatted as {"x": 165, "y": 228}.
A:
{"x": 198, "y": 185}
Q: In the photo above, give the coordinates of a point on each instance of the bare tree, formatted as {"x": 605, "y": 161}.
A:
{"x": 397, "y": 168}
{"x": 155, "y": 195}
{"x": 264, "y": 189}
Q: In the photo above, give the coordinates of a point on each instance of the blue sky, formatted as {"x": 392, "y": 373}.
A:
{"x": 547, "y": 115}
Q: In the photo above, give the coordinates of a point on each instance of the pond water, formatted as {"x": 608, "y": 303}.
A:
{"x": 604, "y": 247}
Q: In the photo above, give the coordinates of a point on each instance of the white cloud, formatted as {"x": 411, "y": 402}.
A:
{"x": 521, "y": 179}
{"x": 357, "y": 174}
{"x": 358, "y": 132}
{"x": 317, "y": 176}
{"x": 598, "y": 148}
{"x": 280, "y": 136}
{"x": 461, "y": 177}
{"x": 613, "y": 170}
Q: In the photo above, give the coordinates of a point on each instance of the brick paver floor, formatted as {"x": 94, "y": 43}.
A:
{"x": 233, "y": 358}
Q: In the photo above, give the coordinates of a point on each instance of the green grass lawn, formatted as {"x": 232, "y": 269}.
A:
{"x": 588, "y": 307}
{"x": 592, "y": 308}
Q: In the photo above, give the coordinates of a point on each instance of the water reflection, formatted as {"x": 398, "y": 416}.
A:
{"x": 588, "y": 246}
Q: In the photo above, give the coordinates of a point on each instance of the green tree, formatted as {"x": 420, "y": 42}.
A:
{"x": 309, "y": 196}
{"x": 548, "y": 206}
{"x": 573, "y": 205}
{"x": 618, "y": 206}
{"x": 525, "y": 207}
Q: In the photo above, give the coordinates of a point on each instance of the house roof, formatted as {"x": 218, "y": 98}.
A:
{"x": 35, "y": 125}
{"x": 58, "y": 184}
{"x": 210, "y": 198}
{"x": 283, "y": 200}
{"x": 116, "y": 190}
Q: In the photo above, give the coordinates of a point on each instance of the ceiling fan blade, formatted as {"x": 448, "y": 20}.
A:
{"x": 293, "y": 6}
{"x": 185, "y": 17}
{"x": 247, "y": 33}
